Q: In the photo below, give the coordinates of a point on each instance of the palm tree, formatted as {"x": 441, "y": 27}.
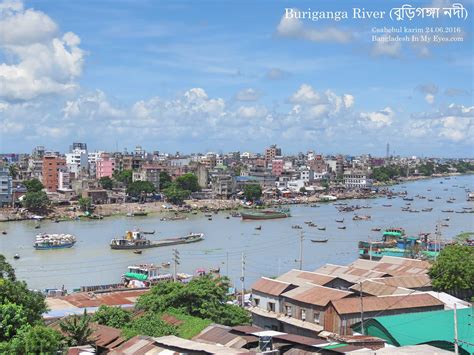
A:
{"x": 77, "y": 330}
{"x": 13, "y": 171}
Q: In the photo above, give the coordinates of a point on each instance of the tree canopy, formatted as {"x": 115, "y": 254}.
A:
{"x": 77, "y": 329}
{"x": 33, "y": 185}
{"x": 252, "y": 192}
{"x": 138, "y": 188}
{"x": 36, "y": 201}
{"x": 188, "y": 182}
{"x": 85, "y": 203}
{"x": 106, "y": 182}
{"x": 149, "y": 324}
{"x": 112, "y": 316}
{"x": 124, "y": 176}
{"x": 175, "y": 194}
{"x": 453, "y": 270}
{"x": 203, "y": 297}
{"x": 165, "y": 180}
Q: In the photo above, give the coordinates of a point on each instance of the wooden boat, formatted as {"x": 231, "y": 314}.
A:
{"x": 209, "y": 219}
{"x": 137, "y": 251}
{"x": 376, "y": 229}
{"x": 135, "y": 240}
{"x": 266, "y": 214}
{"x": 16, "y": 256}
{"x": 340, "y": 220}
{"x": 37, "y": 226}
{"x": 166, "y": 265}
{"x": 4, "y": 232}
{"x": 258, "y": 228}
{"x": 215, "y": 270}
{"x": 319, "y": 240}
{"x": 387, "y": 205}
{"x": 137, "y": 214}
{"x": 360, "y": 218}
{"x": 427, "y": 209}
{"x": 322, "y": 228}
{"x": 343, "y": 227}
{"x": 152, "y": 232}
{"x": 447, "y": 211}
{"x": 296, "y": 227}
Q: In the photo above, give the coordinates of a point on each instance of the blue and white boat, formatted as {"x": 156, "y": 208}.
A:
{"x": 54, "y": 241}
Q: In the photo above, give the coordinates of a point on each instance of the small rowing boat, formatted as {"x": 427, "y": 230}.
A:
{"x": 319, "y": 240}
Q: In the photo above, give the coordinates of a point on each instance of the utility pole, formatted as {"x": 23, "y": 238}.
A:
{"x": 227, "y": 265}
{"x": 301, "y": 251}
{"x": 370, "y": 248}
{"x": 242, "y": 279}
{"x": 361, "y": 309}
{"x": 456, "y": 347}
{"x": 176, "y": 262}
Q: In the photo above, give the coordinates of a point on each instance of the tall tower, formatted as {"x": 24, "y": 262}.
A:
{"x": 388, "y": 150}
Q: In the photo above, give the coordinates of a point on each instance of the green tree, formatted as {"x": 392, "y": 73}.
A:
{"x": 18, "y": 293}
{"x": 36, "y": 201}
{"x": 13, "y": 171}
{"x": 112, "y": 316}
{"x": 252, "y": 192}
{"x": 453, "y": 270}
{"x": 12, "y": 318}
{"x": 77, "y": 329}
{"x": 188, "y": 182}
{"x": 85, "y": 203}
{"x": 175, "y": 194}
{"x": 106, "y": 182}
{"x": 124, "y": 176}
{"x": 6, "y": 270}
{"x": 165, "y": 180}
{"x": 203, "y": 297}
{"x": 36, "y": 339}
{"x": 33, "y": 185}
{"x": 149, "y": 324}
{"x": 140, "y": 188}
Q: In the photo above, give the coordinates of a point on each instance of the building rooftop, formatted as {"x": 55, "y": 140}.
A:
{"x": 376, "y": 288}
{"x": 411, "y": 281}
{"x": 270, "y": 286}
{"x": 298, "y": 277}
{"x": 315, "y": 294}
{"x": 381, "y": 303}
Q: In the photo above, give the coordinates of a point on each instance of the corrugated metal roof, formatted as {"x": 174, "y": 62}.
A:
{"x": 373, "y": 304}
{"x": 411, "y": 281}
{"x": 375, "y": 288}
{"x": 221, "y": 334}
{"x": 185, "y": 344}
{"x": 299, "y": 339}
{"x": 299, "y": 277}
{"x": 90, "y": 299}
{"x": 350, "y": 274}
{"x": 315, "y": 294}
{"x": 106, "y": 336}
{"x": 270, "y": 287}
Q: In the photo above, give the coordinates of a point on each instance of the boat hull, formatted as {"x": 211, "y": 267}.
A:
{"x": 157, "y": 244}
{"x": 263, "y": 216}
{"x": 47, "y": 247}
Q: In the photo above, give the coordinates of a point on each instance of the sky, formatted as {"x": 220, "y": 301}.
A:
{"x": 231, "y": 75}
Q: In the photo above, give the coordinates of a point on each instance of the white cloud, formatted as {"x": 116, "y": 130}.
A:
{"x": 248, "y": 95}
{"x": 252, "y": 111}
{"x": 276, "y": 74}
{"x": 389, "y": 49}
{"x": 292, "y": 27}
{"x": 45, "y": 62}
{"x": 348, "y": 100}
{"x": 377, "y": 119}
{"x": 305, "y": 95}
{"x": 430, "y": 98}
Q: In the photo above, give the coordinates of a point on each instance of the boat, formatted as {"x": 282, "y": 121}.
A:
{"x": 427, "y": 209}
{"x": 311, "y": 224}
{"x": 137, "y": 251}
{"x": 360, "y": 218}
{"x": 343, "y": 227}
{"x": 54, "y": 241}
{"x": 447, "y": 211}
{"x": 152, "y": 232}
{"x": 376, "y": 229}
{"x": 387, "y": 205}
{"x": 258, "y": 228}
{"x": 136, "y": 240}
{"x": 319, "y": 240}
{"x": 137, "y": 214}
{"x": 166, "y": 265}
{"x": 340, "y": 220}
{"x": 144, "y": 275}
{"x": 4, "y": 232}
{"x": 215, "y": 270}
{"x": 16, "y": 256}
{"x": 37, "y": 226}
{"x": 296, "y": 227}
{"x": 322, "y": 228}
{"x": 265, "y": 214}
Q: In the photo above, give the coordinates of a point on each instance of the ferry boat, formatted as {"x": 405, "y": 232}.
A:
{"x": 395, "y": 242}
{"x": 136, "y": 240}
{"x": 54, "y": 241}
{"x": 266, "y": 214}
{"x": 144, "y": 275}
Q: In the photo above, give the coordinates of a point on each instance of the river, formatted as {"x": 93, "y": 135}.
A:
{"x": 268, "y": 252}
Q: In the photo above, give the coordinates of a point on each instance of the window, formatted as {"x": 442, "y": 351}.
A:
{"x": 271, "y": 306}
{"x": 256, "y": 302}
{"x": 303, "y": 314}
{"x": 288, "y": 311}
{"x": 316, "y": 317}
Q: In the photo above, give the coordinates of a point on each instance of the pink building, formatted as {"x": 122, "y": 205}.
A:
{"x": 105, "y": 166}
{"x": 277, "y": 167}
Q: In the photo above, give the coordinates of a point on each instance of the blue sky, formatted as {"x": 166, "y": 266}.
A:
{"x": 229, "y": 75}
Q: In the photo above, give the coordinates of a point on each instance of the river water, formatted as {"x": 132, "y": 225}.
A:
{"x": 268, "y": 252}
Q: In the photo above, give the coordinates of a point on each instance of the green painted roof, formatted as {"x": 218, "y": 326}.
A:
{"x": 393, "y": 234}
{"x": 434, "y": 328}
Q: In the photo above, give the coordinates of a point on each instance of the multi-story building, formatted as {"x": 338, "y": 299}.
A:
{"x": 64, "y": 180}
{"x": 52, "y": 165}
{"x": 277, "y": 167}
{"x": 5, "y": 187}
{"x": 271, "y": 153}
{"x": 105, "y": 166}
{"x": 222, "y": 185}
{"x": 77, "y": 162}
{"x": 92, "y": 158}
{"x": 318, "y": 165}
{"x": 77, "y": 145}
{"x": 356, "y": 179}
{"x": 150, "y": 173}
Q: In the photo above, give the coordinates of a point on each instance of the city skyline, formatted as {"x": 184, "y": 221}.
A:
{"x": 228, "y": 77}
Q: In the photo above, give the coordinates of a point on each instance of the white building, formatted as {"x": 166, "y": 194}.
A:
{"x": 77, "y": 161}
{"x": 356, "y": 179}
{"x": 64, "y": 180}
